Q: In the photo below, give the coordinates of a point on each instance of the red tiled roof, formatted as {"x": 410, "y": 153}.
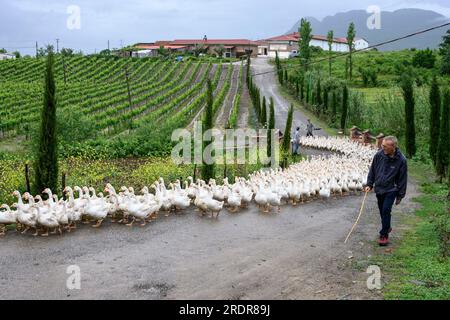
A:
{"x": 287, "y": 37}
{"x": 162, "y": 42}
{"x": 155, "y": 47}
{"x": 295, "y": 37}
{"x": 224, "y": 42}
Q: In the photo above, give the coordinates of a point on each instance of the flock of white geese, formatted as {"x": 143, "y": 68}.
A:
{"x": 318, "y": 177}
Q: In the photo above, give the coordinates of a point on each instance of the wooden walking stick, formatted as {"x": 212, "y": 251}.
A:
{"x": 359, "y": 217}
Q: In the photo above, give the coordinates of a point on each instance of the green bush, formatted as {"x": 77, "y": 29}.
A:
{"x": 424, "y": 59}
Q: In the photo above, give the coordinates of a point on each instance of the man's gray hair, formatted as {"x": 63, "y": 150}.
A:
{"x": 393, "y": 139}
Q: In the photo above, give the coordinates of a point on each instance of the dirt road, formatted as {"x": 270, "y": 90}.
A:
{"x": 298, "y": 254}
{"x": 268, "y": 84}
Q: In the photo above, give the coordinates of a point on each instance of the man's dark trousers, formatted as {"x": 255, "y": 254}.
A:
{"x": 385, "y": 204}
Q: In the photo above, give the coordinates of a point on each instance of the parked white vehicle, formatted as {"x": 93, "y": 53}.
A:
{"x": 293, "y": 54}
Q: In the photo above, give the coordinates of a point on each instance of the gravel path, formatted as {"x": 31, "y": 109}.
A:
{"x": 297, "y": 254}
{"x": 268, "y": 84}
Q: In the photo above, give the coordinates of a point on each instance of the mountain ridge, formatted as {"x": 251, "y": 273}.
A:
{"x": 393, "y": 24}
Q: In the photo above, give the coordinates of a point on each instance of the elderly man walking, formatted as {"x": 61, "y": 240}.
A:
{"x": 389, "y": 175}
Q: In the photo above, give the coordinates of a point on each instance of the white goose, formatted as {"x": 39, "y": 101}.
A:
{"x": 97, "y": 209}
{"x": 6, "y": 218}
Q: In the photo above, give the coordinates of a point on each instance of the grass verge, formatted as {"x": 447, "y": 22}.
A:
{"x": 417, "y": 270}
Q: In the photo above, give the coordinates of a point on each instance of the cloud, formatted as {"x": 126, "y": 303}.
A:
{"x": 26, "y": 21}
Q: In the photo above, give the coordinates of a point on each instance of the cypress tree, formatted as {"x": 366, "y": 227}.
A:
{"x": 346, "y": 67}
{"x": 248, "y": 73}
{"x": 47, "y": 157}
{"x": 270, "y": 127}
{"x": 334, "y": 107}
{"x": 307, "y": 92}
{"x": 408, "y": 94}
{"x": 260, "y": 105}
{"x": 297, "y": 89}
{"x": 264, "y": 112}
{"x": 330, "y": 39}
{"x": 351, "y": 33}
{"x": 344, "y": 108}
{"x": 435, "y": 102}
{"x": 280, "y": 76}
{"x": 208, "y": 169}
{"x": 319, "y": 93}
{"x": 443, "y": 146}
{"x": 287, "y": 131}
{"x": 302, "y": 87}
{"x": 286, "y": 76}
{"x": 305, "y": 33}
{"x": 286, "y": 147}
{"x": 325, "y": 98}
{"x": 277, "y": 61}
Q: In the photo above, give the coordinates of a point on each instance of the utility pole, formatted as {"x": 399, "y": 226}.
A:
{"x": 57, "y": 45}
{"x": 128, "y": 85}
{"x": 36, "y": 49}
{"x": 108, "y": 46}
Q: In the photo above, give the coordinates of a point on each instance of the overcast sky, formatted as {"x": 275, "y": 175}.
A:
{"x": 22, "y": 22}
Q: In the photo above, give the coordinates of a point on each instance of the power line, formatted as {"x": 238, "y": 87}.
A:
{"x": 365, "y": 49}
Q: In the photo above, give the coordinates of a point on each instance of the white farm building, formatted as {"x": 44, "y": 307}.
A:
{"x": 6, "y": 56}
{"x": 287, "y": 44}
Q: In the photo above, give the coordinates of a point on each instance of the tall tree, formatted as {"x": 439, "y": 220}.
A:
{"x": 248, "y": 72}
{"x": 286, "y": 146}
{"x": 334, "y": 107}
{"x": 325, "y": 97}
{"x": 208, "y": 169}
{"x": 264, "y": 112}
{"x": 442, "y": 159}
{"x": 319, "y": 94}
{"x": 270, "y": 127}
{"x": 330, "y": 38}
{"x": 281, "y": 76}
{"x": 220, "y": 50}
{"x": 277, "y": 61}
{"x": 344, "y": 108}
{"x": 408, "y": 94}
{"x": 351, "y": 33}
{"x": 346, "y": 67}
{"x": 302, "y": 87}
{"x": 444, "y": 50}
{"x": 305, "y": 37}
{"x": 258, "y": 104}
{"x": 435, "y": 102}
{"x": 287, "y": 131}
{"x": 47, "y": 154}
{"x": 308, "y": 90}
{"x": 162, "y": 51}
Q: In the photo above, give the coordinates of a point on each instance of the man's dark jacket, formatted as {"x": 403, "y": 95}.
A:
{"x": 389, "y": 174}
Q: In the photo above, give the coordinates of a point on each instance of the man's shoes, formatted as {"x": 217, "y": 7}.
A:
{"x": 383, "y": 241}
